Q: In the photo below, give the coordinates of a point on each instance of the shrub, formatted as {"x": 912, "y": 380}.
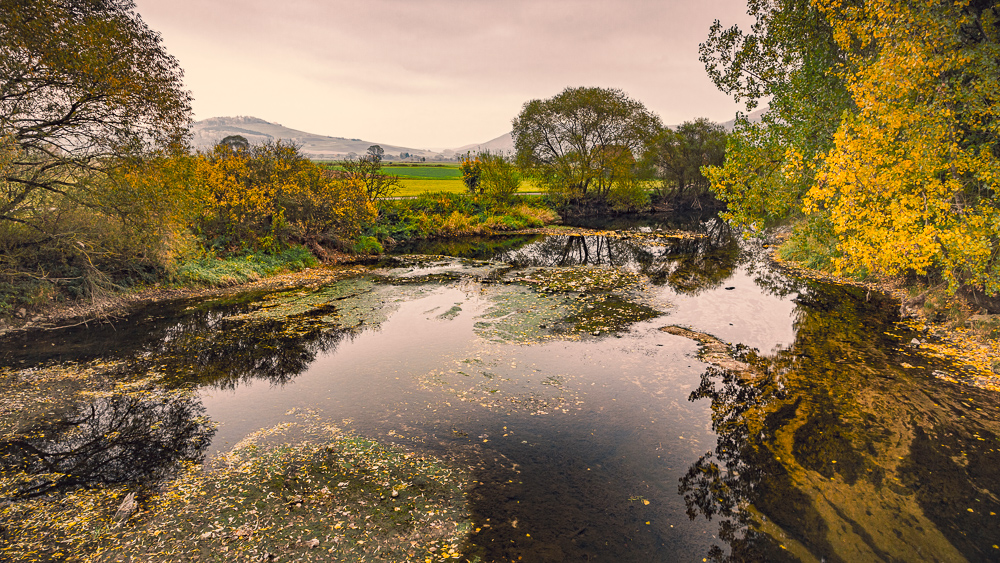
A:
{"x": 367, "y": 245}
{"x": 499, "y": 177}
{"x": 268, "y": 196}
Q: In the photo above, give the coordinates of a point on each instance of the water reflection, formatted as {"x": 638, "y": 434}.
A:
{"x": 842, "y": 448}
{"x": 693, "y": 265}
{"x": 689, "y": 265}
{"x": 131, "y": 436}
{"x": 838, "y": 446}
{"x": 229, "y": 353}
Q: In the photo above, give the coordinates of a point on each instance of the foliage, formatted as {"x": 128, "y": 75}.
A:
{"x": 883, "y": 124}
{"x": 447, "y": 214}
{"x": 499, "y": 177}
{"x": 368, "y": 171}
{"x": 680, "y": 156}
{"x": 269, "y": 195}
{"x": 88, "y": 93}
{"x": 785, "y": 58}
{"x": 911, "y": 180}
{"x": 628, "y": 193}
{"x": 367, "y": 245}
{"x": 471, "y": 171}
{"x": 583, "y": 141}
{"x": 813, "y": 244}
{"x": 235, "y": 142}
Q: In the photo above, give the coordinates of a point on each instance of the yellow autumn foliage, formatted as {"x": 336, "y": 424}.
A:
{"x": 268, "y": 195}
{"x": 910, "y": 182}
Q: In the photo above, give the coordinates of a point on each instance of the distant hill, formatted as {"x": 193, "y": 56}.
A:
{"x": 208, "y": 132}
{"x": 504, "y": 143}
{"x": 754, "y": 118}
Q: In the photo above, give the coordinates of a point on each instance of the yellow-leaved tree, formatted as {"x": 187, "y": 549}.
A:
{"x": 911, "y": 181}
{"x": 263, "y": 197}
{"x": 883, "y": 129}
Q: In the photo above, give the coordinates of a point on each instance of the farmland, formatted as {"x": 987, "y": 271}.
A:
{"x": 418, "y": 178}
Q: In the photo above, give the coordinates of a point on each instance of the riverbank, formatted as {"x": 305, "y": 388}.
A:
{"x": 60, "y": 315}
{"x": 951, "y": 327}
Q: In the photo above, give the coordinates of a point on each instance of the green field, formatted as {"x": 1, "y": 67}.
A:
{"x": 438, "y": 171}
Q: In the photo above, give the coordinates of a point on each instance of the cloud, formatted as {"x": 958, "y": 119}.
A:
{"x": 437, "y": 72}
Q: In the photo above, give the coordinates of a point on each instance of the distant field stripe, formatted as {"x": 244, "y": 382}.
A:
{"x": 417, "y": 186}
{"x": 421, "y": 172}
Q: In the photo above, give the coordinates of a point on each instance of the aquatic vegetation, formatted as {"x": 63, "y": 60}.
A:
{"x": 543, "y": 303}
{"x": 65, "y": 477}
{"x": 580, "y": 279}
{"x": 521, "y": 315}
{"x": 337, "y": 496}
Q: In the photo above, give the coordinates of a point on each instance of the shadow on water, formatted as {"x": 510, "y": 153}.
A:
{"x": 481, "y": 248}
{"x": 841, "y": 447}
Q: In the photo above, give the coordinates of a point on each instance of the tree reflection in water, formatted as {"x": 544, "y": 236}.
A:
{"x": 234, "y": 352}
{"x": 139, "y": 434}
{"x": 843, "y": 448}
{"x": 689, "y": 265}
{"x": 131, "y": 436}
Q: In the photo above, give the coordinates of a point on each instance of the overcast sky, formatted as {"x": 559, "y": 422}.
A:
{"x": 435, "y": 74}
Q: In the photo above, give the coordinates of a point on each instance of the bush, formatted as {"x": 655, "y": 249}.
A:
{"x": 367, "y": 245}
{"x": 444, "y": 214}
{"x": 499, "y": 177}
{"x": 268, "y": 196}
{"x": 628, "y": 194}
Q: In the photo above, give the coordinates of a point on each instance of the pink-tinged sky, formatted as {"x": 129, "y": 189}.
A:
{"x": 436, "y": 73}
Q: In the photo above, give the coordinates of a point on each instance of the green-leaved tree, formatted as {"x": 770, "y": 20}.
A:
{"x": 584, "y": 142}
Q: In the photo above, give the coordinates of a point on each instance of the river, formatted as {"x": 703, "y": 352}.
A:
{"x": 593, "y": 434}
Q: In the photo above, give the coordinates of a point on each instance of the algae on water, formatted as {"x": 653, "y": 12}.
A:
{"x": 546, "y": 303}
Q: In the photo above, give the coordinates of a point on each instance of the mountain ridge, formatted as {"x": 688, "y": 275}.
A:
{"x": 208, "y": 132}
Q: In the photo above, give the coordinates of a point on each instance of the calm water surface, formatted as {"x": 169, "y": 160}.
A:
{"x": 593, "y": 435}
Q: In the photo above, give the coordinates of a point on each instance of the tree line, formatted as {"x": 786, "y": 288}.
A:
{"x": 599, "y": 146}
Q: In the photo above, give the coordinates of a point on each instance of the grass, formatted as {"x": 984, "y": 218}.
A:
{"x": 432, "y": 172}
{"x": 213, "y": 271}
